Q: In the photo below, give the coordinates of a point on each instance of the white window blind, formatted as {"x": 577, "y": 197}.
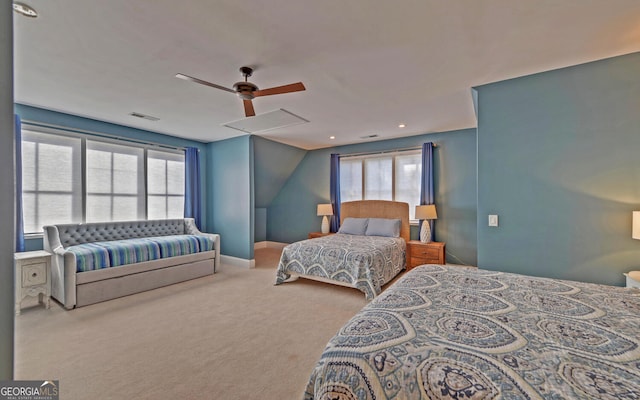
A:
{"x": 165, "y": 185}
{"x": 51, "y": 180}
{"x": 390, "y": 176}
{"x": 114, "y": 176}
{"x": 115, "y": 182}
{"x": 408, "y": 172}
{"x": 350, "y": 179}
{"x": 378, "y": 181}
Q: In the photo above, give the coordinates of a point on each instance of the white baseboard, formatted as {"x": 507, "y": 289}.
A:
{"x": 270, "y": 245}
{"x": 238, "y": 262}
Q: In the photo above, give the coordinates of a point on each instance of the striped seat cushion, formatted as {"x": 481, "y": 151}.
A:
{"x": 131, "y": 251}
{"x": 179, "y": 245}
{"x": 90, "y": 256}
{"x": 99, "y": 255}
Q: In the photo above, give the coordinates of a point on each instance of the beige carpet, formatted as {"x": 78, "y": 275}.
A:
{"x": 233, "y": 335}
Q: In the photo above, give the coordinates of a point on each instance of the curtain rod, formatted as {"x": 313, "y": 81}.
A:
{"x": 100, "y": 134}
{"x": 367, "y": 153}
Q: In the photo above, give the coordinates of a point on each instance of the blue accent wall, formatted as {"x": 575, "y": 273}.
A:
{"x": 292, "y": 213}
{"x": 230, "y": 190}
{"x": 558, "y": 162}
{"x": 273, "y": 164}
{"x": 63, "y": 120}
{"x": 260, "y": 232}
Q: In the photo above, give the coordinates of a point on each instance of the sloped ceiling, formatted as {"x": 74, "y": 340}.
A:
{"x": 273, "y": 164}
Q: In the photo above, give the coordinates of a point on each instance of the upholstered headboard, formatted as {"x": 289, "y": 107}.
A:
{"x": 74, "y": 234}
{"x": 379, "y": 209}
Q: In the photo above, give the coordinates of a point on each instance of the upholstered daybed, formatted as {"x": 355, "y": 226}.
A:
{"x": 95, "y": 262}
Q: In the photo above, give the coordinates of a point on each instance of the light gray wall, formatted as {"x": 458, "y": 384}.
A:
{"x": 7, "y": 240}
{"x": 558, "y": 162}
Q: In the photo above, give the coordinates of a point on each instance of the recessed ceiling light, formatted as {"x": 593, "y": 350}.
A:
{"x": 332, "y": 137}
{"x": 401, "y": 126}
{"x": 24, "y": 9}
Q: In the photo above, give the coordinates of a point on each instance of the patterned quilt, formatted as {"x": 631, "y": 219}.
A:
{"x": 457, "y": 333}
{"x": 363, "y": 262}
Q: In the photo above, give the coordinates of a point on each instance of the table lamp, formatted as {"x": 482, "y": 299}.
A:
{"x": 324, "y": 210}
{"x": 426, "y": 212}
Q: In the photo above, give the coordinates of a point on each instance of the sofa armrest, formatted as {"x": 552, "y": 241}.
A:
{"x": 51, "y": 242}
{"x": 63, "y": 268}
{"x": 190, "y": 228}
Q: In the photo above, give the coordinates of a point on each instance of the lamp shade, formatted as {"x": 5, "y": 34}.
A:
{"x": 635, "y": 225}
{"x": 427, "y": 211}
{"x": 325, "y": 209}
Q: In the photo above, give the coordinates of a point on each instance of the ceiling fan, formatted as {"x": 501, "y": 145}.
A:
{"x": 247, "y": 90}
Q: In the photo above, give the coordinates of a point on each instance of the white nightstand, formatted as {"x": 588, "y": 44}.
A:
{"x": 33, "y": 277}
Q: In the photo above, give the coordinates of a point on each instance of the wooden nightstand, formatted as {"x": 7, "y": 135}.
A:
{"x": 419, "y": 253}
{"x": 319, "y": 234}
{"x": 33, "y": 277}
{"x": 633, "y": 279}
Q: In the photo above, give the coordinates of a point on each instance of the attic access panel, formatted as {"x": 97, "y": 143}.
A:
{"x": 265, "y": 122}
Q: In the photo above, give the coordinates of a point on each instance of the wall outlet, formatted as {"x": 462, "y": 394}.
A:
{"x": 493, "y": 220}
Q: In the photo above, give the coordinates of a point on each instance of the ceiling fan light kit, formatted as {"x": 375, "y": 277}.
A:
{"x": 246, "y": 90}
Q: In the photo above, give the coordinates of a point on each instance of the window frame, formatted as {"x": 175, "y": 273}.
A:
{"x": 53, "y": 139}
{"x": 388, "y": 154}
{"x": 169, "y": 157}
{"x": 85, "y": 136}
{"x": 112, "y": 193}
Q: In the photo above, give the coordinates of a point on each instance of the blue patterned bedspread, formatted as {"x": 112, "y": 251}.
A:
{"x": 100, "y": 255}
{"x": 457, "y": 333}
{"x": 363, "y": 262}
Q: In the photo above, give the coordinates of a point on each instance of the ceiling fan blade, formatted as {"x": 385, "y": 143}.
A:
{"x": 293, "y": 87}
{"x": 248, "y": 108}
{"x": 200, "y": 81}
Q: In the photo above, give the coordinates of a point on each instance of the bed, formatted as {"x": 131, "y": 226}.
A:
{"x": 364, "y": 262}
{"x": 448, "y": 332}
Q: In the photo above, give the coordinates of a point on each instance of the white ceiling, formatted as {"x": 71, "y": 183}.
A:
{"x": 368, "y": 65}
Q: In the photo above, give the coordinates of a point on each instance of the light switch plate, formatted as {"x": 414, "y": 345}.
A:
{"x": 493, "y": 220}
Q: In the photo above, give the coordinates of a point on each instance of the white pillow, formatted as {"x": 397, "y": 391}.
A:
{"x": 354, "y": 226}
{"x": 383, "y": 227}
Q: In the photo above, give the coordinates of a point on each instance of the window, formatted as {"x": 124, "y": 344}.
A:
{"x": 115, "y": 182}
{"x": 118, "y": 182}
{"x": 51, "y": 180}
{"x": 392, "y": 176}
{"x": 165, "y": 185}
{"x": 407, "y": 180}
{"x": 350, "y": 179}
{"x": 378, "y": 178}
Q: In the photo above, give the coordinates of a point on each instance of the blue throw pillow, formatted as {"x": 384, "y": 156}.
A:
{"x": 383, "y": 227}
{"x": 354, "y": 226}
